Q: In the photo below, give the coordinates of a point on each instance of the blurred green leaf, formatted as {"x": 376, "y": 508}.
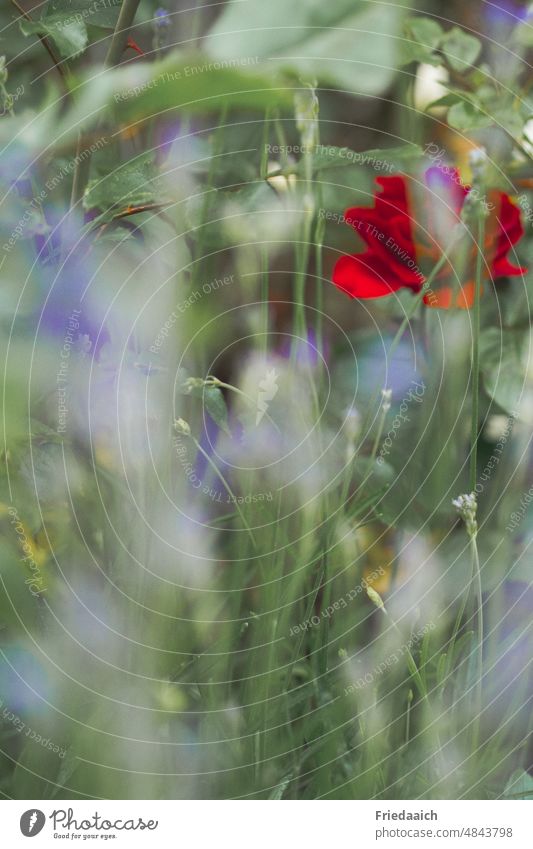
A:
{"x": 182, "y": 82}
{"x": 132, "y": 184}
{"x": 504, "y": 112}
{"x": 70, "y": 37}
{"x": 329, "y": 156}
{"x": 194, "y": 83}
{"x": 18, "y": 606}
{"x": 103, "y": 15}
{"x": 464, "y": 115}
{"x": 423, "y": 38}
{"x": 350, "y": 44}
{"x": 427, "y": 31}
{"x": 212, "y": 398}
{"x": 215, "y": 404}
{"x": 520, "y": 784}
{"x": 461, "y": 49}
{"x": 65, "y": 23}
{"x": 504, "y": 362}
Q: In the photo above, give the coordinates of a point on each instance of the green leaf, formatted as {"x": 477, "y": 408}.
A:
{"x": 520, "y": 784}
{"x": 215, "y": 404}
{"x": 65, "y": 23}
{"x": 328, "y": 156}
{"x": 504, "y": 366}
{"x": 448, "y": 100}
{"x": 85, "y": 11}
{"x": 131, "y": 184}
{"x": 506, "y": 115}
{"x": 466, "y": 116}
{"x": 193, "y": 83}
{"x": 426, "y": 31}
{"x": 70, "y": 38}
{"x": 461, "y": 49}
{"x": 182, "y": 82}
{"x": 423, "y": 36}
{"x": 350, "y": 44}
{"x": 212, "y": 398}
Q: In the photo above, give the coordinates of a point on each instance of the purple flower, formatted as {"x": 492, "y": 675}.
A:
{"x": 23, "y": 681}
{"x": 505, "y": 14}
{"x": 162, "y": 18}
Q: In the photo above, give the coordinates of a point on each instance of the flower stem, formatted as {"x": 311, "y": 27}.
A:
{"x": 128, "y": 10}
{"x": 409, "y": 315}
{"x": 56, "y": 61}
{"x": 419, "y": 296}
{"x": 302, "y": 258}
{"x": 263, "y": 169}
{"x": 467, "y": 508}
{"x": 227, "y": 486}
{"x": 431, "y": 729}
{"x": 475, "y": 356}
{"x": 320, "y": 229}
{"x": 476, "y": 573}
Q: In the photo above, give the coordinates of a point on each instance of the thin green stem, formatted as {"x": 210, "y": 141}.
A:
{"x": 456, "y": 627}
{"x": 479, "y": 678}
{"x": 263, "y": 250}
{"x": 227, "y": 486}
{"x": 351, "y": 466}
{"x": 128, "y": 10}
{"x": 303, "y": 249}
{"x": 302, "y": 258}
{"x": 419, "y": 297}
{"x": 408, "y": 718}
{"x": 475, "y": 579}
{"x": 282, "y": 142}
{"x": 56, "y": 61}
{"x": 410, "y": 313}
{"x": 263, "y": 259}
{"x": 202, "y": 261}
{"x": 319, "y": 290}
{"x": 413, "y": 668}
{"x": 475, "y": 356}
{"x": 432, "y": 731}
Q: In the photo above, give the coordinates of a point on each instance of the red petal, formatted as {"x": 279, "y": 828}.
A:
{"x": 503, "y": 268}
{"x": 134, "y": 46}
{"x": 510, "y": 231}
{"x": 357, "y": 277}
{"x": 387, "y": 229}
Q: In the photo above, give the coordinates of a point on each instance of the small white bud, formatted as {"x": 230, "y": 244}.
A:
{"x": 375, "y": 598}
{"x": 182, "y": 427}
{"x": 466, "y": 506}
{"x": 387, "y": 395}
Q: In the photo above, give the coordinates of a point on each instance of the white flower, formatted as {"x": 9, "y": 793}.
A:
{"x": 466, "y": 506}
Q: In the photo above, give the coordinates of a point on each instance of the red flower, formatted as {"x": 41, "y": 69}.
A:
{"x": 134, "y": 46}
{"x": 402, "y": 249}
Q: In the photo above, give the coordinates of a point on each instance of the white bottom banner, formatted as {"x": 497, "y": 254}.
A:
{"x": 262, "y": 825}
